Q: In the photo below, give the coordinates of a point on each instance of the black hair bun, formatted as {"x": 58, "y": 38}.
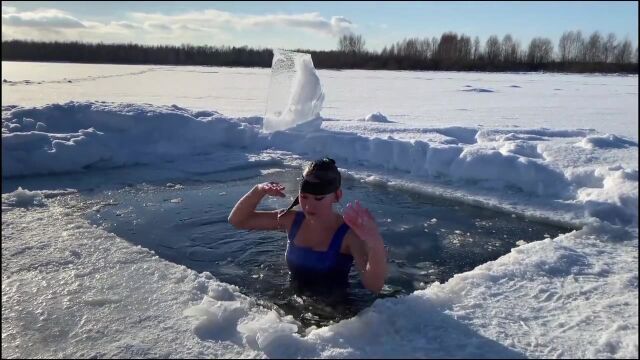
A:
{"x": 324, "y": 164}
{"x": 323, "y": 170}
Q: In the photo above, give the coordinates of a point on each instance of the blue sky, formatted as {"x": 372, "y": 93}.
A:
{"x": 310, "y": 25}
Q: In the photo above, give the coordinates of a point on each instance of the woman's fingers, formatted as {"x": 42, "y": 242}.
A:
{"x": 277, "y": 192}
{"x": 348, "y": 212}
{"x": 353, "y": 216}
{"x": 350, "y": 216}
{"x": 273, "y": 188}
{"x": 358, "y": 217}
{"x": 357, "y": 208}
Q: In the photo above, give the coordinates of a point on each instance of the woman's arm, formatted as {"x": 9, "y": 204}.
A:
{"x": 245, "y": 216}
{"x": 368, "y": 250}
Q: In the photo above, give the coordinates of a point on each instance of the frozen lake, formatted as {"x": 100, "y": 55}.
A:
{"x": 91, "y": 213}
{"x": 607, "y": 103}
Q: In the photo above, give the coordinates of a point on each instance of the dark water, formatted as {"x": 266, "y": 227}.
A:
{"x": 428, "y": 239}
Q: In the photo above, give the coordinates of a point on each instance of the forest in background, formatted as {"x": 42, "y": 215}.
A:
{"x": 450, "y": 51}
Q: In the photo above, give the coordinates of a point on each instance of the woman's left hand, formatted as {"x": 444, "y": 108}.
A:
{"x": 361, "y": 222}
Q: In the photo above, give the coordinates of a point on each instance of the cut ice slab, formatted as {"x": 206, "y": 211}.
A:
{"x": 295, "y": 94}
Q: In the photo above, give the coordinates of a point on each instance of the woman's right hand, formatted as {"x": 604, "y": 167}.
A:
{"x": 271, "y": 188}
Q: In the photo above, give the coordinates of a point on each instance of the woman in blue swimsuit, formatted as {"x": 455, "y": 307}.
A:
{"x": 322, "y": 245}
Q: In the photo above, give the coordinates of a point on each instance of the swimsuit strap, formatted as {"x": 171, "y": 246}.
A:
{"x": 295, "y": 226}
{"x": 336, "y": 241}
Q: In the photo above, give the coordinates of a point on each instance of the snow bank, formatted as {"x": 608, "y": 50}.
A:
{"x": 593, "y": 272}
{"x": 494, "y": 168}
{"x": 77, "y": 136}
{"x": 96, "y": 295}
{"x": 25, "y": 198}
{"x": 616, "y": 201}
{"x": 377, "y": 117}
{"x": 22, "y": 198}
{"x": 605, "y": 141}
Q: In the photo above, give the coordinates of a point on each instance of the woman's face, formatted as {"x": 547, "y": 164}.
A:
{"x": 318, "y": 206}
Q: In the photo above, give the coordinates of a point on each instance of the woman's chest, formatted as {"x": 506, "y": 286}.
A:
{"x": 318, "y": 240}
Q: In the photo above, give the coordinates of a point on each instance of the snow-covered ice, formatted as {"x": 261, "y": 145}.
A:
{"x": 73, "y": 290}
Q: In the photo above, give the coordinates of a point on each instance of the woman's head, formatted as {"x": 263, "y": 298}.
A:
{"x": 319, "y": 188}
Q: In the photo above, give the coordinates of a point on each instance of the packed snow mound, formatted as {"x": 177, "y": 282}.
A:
{"x": 77, "y": 136}
{"x": 22, "y": 198}
{"x": 605, "y": 141}
{"x": 509, "y": 170}
{"x": 490, "y": 135}
{"x": 478, "y": 90}
{"x": 377, "y": 117}
{"x": 616, "y": 201}
{"x": 492, "y": 168}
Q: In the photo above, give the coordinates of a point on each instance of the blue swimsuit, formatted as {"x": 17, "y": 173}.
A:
{"x": 318, "y": 267}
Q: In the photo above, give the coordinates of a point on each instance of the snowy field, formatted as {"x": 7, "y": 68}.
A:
{"x": 560, "y": 148}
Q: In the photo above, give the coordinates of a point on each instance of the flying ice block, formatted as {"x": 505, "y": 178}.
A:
{"x": 295, "y": 94}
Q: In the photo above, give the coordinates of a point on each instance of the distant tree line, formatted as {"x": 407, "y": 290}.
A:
{"x": 18, "y": 50}
{"x": 459, "y": 52}
{"x": 448, "y": 52}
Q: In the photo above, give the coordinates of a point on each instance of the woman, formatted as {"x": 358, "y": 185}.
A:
{"x": 322, "y": 245}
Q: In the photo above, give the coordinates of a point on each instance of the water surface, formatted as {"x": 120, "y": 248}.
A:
{"x": 428, "y": 239}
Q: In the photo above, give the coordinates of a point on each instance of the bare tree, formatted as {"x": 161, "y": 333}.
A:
{"x": 425, "y": 49}
{"x": 578, "y": 47}
{"x": 435, "y": 42}
{"x": 476, "y": 48}
{"x": 448, "y": 47}
{"x": 571, "y": 47}
{"x": 624, "y": 52}
{"x": 464, "y": 48}
{"x": 593, "y": 48}
{"x": 492, "y": 49}
{"x": 392, "y": 50}
{"x": 509, "y": 49}
{"x": 411, "y": 47}
{"x": 540, "y": 51}
{"x": 609, "y": 48}
{"x": 564, "y": 46}
{"x": 351, "y": 43}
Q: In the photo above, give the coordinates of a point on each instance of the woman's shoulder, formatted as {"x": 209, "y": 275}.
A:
{"x": 286, "y": 219}
{"x": 352, "y": 244}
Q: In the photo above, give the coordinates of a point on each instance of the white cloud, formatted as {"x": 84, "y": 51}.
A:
{"x": 155, "y": 25}
{"x": 185, "y": 27}
{"x": 42, "y": 18}
{"x": 201, "y": 27}
{"x": 8, "y": 9}
{"x": 125, "y": 25}
{"x": 337, "y": 25}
